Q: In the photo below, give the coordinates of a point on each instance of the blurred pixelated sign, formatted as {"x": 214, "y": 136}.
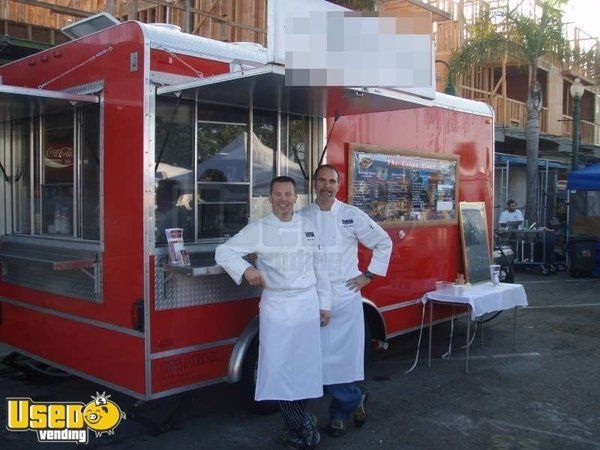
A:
{"x": 322, "y": 44}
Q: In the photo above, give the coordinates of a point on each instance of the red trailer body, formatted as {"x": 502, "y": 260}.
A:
{"x": 86, "y": 284}
{"x": 422, "y": 255}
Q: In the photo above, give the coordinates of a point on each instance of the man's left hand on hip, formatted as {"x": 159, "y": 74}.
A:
{"x": 357, "y": 283}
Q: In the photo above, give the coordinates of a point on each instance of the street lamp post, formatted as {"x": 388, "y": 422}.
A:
{"x": 576, "y": 92}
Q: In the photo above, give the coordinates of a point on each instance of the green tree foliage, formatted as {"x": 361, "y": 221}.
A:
{"x": 525, "y": 40}
{"x": 589, "y": 60}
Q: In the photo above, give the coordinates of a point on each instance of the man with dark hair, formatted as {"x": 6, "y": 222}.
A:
{"x": 511, "y": 218}
{"x": 341, "y": 227}
{"x": 295, "y": 300}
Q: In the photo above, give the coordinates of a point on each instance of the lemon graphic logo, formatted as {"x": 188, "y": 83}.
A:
{"x": 102, "y": 415}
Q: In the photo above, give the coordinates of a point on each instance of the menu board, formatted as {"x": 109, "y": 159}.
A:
{"x": 475, "y": 241}
{"x": 400, "y": 188}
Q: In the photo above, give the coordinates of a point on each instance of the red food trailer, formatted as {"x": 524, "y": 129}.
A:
{"x": 112, "y": 138}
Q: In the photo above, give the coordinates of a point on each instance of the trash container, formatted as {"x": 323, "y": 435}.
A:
{"x": 582, "y": 261}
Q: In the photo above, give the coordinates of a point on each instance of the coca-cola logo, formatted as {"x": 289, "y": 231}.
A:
{"x": 58, "y": 156}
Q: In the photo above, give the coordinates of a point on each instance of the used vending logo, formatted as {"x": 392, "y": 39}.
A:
{"x": 64, "y": 421}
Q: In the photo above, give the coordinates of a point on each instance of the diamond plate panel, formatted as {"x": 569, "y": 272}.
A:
{"x": 70, "y": 283}
{"x": 174, "y": 290}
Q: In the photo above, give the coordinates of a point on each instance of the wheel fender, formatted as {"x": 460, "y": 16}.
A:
{"x": 236, "y": 361}
{"x": 374, "y": 317}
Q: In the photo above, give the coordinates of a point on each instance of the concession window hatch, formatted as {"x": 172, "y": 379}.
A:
{"x": 265, "y": 88}
{"x": 20, "y": 103}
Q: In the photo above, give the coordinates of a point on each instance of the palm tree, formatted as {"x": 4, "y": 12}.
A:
{"x": 525, "y": 40}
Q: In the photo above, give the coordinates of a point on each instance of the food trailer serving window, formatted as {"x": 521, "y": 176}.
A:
{"x": 235, "y": 154}
{"x": 50, "y": 164}
{"x": 222, "y": 171}
{"x": 249, "y": 127}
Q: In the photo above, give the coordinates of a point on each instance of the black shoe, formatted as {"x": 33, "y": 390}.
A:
{"x": 337, "y": 428}
{"x": 293, "y": 439}
{"x": 359, "y": 416}
{"x": 311, "y": 437}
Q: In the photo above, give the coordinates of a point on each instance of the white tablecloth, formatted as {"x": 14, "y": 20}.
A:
{"x": 484, "y": 297}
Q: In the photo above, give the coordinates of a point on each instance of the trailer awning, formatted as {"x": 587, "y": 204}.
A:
{"x": 20, "y": 103}
{"x": 265, "y": 88}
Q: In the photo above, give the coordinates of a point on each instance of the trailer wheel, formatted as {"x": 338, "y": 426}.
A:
{"x": 375, "y": 344}
{"x": 248, "y": 383}
{"x": 369, "y": 350}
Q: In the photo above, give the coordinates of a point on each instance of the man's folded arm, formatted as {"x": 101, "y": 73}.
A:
{"x": 229, "y": 255}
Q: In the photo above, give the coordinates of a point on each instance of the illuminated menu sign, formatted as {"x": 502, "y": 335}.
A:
{"x": 398, "y": 188}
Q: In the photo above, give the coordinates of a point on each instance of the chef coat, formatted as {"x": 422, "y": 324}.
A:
{"x": 340, "y": 230}
{"x": 291, "y": 262}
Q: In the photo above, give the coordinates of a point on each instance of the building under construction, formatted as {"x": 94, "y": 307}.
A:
{"x": 31, "y": 25}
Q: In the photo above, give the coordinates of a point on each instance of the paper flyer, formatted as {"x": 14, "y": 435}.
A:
{"x": 177, "y": 252}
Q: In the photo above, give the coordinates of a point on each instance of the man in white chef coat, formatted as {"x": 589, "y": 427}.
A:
{"x": 294, "y": 304}
{"x": 341, "y": 227}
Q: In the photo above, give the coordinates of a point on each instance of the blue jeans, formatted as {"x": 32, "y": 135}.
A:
{"x": 345, "y": 398}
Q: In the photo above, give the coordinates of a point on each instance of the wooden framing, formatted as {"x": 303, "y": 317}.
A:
{"x": 494, "y": 83}
{"x": 56, "y": 8}
{"x": 225, "y": 20}
{"x": 246, "y": 20}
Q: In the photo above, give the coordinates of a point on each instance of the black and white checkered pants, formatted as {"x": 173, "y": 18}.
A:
{"x": 294, "y": 414}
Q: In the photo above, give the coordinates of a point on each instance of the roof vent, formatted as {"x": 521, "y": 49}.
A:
{"x": 89, "y": 25}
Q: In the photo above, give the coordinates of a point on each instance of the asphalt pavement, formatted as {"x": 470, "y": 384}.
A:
{"x": 543, "y": 395}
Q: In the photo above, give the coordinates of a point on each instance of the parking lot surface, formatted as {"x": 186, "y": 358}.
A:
{"x": 544, "y": 395}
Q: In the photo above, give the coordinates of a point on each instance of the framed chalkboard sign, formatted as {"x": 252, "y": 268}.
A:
{"x": 399, "y": 188}
{"x": 475, "y": 241}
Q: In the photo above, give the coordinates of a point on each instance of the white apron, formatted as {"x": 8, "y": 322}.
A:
{"x": 340, "y": 231}
{"x": 289, "y": 360}
{"x": 343, "y": 340}
{"x": 297, "y": 286}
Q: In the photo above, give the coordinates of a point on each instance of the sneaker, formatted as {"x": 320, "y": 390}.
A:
{"x": 359, "y": 416}
{"x": 337, "y": 428}
{"x": 312, "y": 437}
{"x": 292, "y": 438}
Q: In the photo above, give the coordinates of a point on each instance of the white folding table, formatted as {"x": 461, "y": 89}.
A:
{"x": 481, "y": 299}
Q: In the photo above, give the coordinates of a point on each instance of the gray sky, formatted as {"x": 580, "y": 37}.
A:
{"x": 586, "y": 14}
